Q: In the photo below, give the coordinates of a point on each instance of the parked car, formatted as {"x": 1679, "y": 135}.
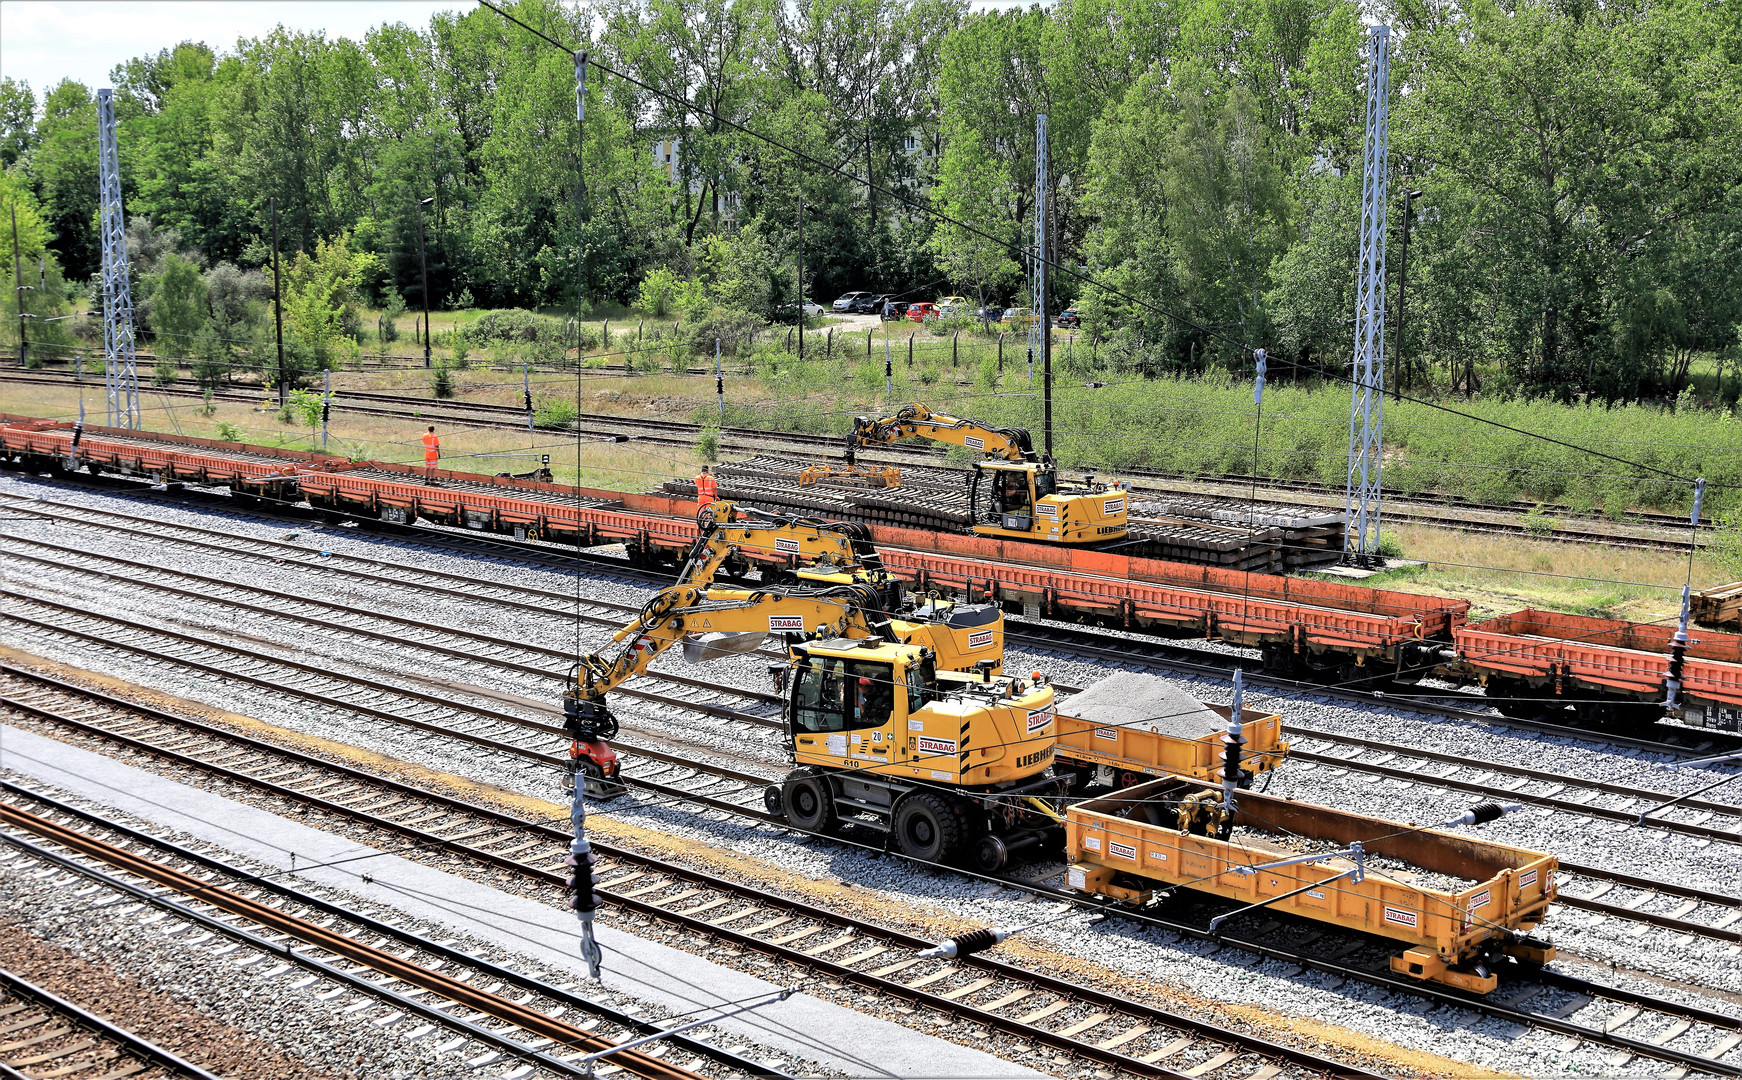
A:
{"x": 1019, "y": 316}
{"x": 788, "y": 312}
{"x": 868, "y": 304}
{"x": 989, "y": 313}
{"x": 922, "y": 311}
{"x": 851, "y": 301}
{"x": 897, "y": 309}
{"x": 952, "y": 305}
{"x": 1068, "y": 319}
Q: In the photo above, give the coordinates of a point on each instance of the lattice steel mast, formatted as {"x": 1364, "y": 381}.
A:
{"x": 120, "y": 368}
{"x": 1367, "y": 396}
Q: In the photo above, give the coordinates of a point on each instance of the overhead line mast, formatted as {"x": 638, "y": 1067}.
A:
{"x": 1361, "y": 500}
{"x": 120, "y": 368}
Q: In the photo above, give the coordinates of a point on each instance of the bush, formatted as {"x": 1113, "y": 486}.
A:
{"x": 441, "y": 382}
{"x": 708, "y": 445}
{"x": 304, "y": 406}
{"x": 663, "y": 292}
{"x": 554, "y": 412}
{"x": 515, "y": 325}
{"x": 228, "y": 433}
{"x": 462, "y": 348}
{"x": 1538, "y": 523}
{"x": 165, "y": 372}
{"x": 735, "y": 329}
{"x": 1726, "y": 543}
{"x": 207, "y": 406}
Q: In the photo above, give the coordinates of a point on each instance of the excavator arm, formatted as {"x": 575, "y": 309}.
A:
{"x": 918, "y": 422}
{"x": 682, "y": 610}
{"x": 728, "y": 530}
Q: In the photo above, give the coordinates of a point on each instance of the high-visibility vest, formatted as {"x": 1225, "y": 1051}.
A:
{"x": 707, "y": 489}
{"x": 432, "y": 448}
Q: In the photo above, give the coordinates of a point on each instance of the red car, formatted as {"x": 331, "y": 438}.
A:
{"x": 922, "y": 312}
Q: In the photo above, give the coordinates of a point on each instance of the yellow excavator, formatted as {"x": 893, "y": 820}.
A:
{"x": 899, "y": 723}
{"x": 1012, "y": 493}
{"x": 815, "y": 550}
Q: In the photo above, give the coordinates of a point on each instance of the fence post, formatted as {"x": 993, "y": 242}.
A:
{"x": 605, "y": 337}
{"x": 955, "y": 350}
{"x": 719, "y": 382}
{"x": 1000, "y": 354}
{"x": 829, "y": 345}
{"x": 868, "y": 334}
{"x": 910, "y": 351}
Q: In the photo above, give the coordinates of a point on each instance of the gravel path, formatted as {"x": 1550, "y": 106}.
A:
{"x": 171, "y": 1017}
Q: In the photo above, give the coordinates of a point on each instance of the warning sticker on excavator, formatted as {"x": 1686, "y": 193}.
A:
{"x": 1401, "y": 917}
{"x": 979, "y": 639}
{"x": 785, "y": 545}
{"x": 931, "y": 744}
{"x": 785, "y": 624}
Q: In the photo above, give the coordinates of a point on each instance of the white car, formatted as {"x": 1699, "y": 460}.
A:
{"x": 846, "y": 303}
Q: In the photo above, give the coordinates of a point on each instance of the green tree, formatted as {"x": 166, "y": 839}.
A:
{"x": 17, "y": 120}
{"x": 178, "y": 306}
{"x": 63, "y": 171}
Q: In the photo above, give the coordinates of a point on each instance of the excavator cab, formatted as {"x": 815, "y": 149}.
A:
{"x": 1021, "y": 500}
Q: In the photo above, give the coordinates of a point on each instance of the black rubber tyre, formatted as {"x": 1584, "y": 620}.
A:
{"x": 807, "y": 802}
{"x": 927, "y": 828}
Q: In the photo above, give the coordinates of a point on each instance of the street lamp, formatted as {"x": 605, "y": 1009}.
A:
{"x": 423, "y": 270}
{"x": 1409, "y": 198}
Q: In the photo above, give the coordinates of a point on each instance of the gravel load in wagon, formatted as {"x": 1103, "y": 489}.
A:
{"x": 1130, "y": 725}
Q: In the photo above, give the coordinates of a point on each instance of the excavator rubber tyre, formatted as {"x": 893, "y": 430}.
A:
{"x": 926, "y": 827}
{"x": 808, "y": 804}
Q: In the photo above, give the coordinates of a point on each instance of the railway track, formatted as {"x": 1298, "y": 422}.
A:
{"x": 999, "y": 1000}
{"x": 466, "y": 1000}
{"x": 1040, "y": 637}
{"x": 1705, "y": 818}
{"x": 43, "y": 1034}
{"x": 1669, "y": 531}
{"x": 1632, "y": 1023}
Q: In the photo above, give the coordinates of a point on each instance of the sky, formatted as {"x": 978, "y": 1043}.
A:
{"x": 44, "y": 41}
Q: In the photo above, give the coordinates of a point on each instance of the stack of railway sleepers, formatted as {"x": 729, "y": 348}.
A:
{"x": 1609, "y": 670}
{"x": 1312, "y": 536}
{"x": 931, "y": 501}
{"x": 1719, "y": 607}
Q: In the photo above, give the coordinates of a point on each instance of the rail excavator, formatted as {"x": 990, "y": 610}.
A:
{"x": 1013, "y": 493}
{"x": 898, "y": 721}
{"x": 898, "y": 714}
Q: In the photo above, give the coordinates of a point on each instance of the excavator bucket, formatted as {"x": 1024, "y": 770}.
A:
{"x": 700, "y": 647}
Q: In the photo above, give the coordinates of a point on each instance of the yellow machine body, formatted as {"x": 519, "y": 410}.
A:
{"x": 870, "y": 705}
{"x": 1013, "y": 494}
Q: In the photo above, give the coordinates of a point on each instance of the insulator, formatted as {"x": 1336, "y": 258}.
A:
{"x": 1486, "y": 812}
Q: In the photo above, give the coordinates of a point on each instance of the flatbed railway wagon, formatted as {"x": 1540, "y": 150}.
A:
{"x": 1130, "y": 726}
{"x": 1609, "y": 671}
{"x": 1456, "y": 903}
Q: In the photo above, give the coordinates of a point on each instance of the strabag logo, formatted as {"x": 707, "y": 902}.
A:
{"x": 1401, "y": 917}
{"x": 1038, "y": 719}
{"x": 1527, "y": 880}
{"x": 1124, "y": 851}
{"x": 785, "y": 624}
{"x": 1107, "y": 733}
{"x": 979, "y": 639}
{"x": 1047, "y": 510}
{"x": 1113, "y": 506}
{"x": 1479, "y": 900}
{"x": 929, "y": 744}
{"x": 785, "y": 545}
{"x": 974, "y": 442}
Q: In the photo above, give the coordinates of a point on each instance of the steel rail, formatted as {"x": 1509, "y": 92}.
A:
{"x": 135, "y": 1045}
{"x": 556, "y": 835}
{"x": 634, "y": 1061}
{"x": 1590, "y": 904}
{"x": 386, "y": 929}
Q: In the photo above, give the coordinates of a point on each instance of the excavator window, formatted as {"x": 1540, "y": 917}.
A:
{"x": 1013, "y": 491}
{"x": 1046, "y": 482}
{"x": 831, "y": 693}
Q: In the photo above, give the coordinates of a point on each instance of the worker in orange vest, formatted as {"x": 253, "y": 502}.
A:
{"x": 432, "y": 448}
{"x": 707, "y": 488}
